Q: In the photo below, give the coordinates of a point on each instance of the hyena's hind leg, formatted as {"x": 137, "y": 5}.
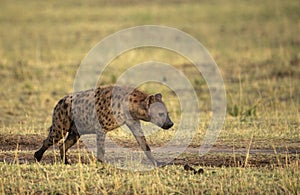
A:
{"x": 71, "y": 139}
{"x": 54, "y": 136}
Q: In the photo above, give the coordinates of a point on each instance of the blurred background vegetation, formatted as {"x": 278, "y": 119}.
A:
{"x": 255, "y": 44}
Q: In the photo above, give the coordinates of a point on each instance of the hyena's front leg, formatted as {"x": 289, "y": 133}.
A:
{"x": 100, "y": 145}
{"x": 136, "y": 129}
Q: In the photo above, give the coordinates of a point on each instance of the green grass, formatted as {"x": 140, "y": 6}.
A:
{"x": 255, "y": 44}
{"x": 98, "y": 179}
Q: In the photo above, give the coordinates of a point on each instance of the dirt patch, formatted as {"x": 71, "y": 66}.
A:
{"x": 20, "y": 149}
{"x": 240, "y": 160}
{"x": 20, "y": 142}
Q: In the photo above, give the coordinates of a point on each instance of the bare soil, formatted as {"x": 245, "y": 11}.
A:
{"x": 20, "y": 149}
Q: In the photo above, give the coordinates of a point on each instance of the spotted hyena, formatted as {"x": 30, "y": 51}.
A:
{"x": 102, "y": 110}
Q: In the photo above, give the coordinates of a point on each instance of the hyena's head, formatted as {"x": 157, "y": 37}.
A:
{"x": 157, "y": 111}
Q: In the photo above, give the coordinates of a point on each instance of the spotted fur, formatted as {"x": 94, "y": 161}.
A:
{"x": 102, "y": 110}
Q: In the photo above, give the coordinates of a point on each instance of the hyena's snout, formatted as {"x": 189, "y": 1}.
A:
{"x": 168, "y": 123}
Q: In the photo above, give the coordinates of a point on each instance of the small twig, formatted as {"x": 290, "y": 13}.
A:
{"x": 189, "y": 168}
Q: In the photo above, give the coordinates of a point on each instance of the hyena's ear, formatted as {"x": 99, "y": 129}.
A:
{"x": 151, "y": 99}
{"x": 158, "y": 97}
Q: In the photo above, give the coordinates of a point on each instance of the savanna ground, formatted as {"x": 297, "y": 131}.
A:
{"x": 256, "y": 45}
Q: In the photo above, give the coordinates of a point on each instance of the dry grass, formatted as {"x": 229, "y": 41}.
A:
{"x": 255, "y": 44}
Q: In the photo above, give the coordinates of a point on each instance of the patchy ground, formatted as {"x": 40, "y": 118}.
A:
{"x": 20, "y": 148}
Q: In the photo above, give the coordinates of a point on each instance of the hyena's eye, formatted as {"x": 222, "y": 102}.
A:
{"x": 161, "y": 114}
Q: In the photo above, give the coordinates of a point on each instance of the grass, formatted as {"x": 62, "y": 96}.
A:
{"x": 96, "y": 178}
{"x": 255, "y": 44}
